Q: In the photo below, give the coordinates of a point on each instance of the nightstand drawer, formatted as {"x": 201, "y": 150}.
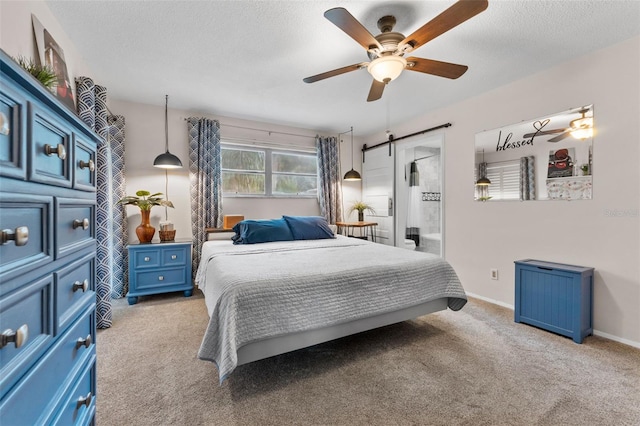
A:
{"x": 30, "y": 306}
{"x": 175, "y": 256}
{"x": 165, "y": 277}
{"x": 147, "y": 258}
{"x": 75, "y": 228}
{"x": 26, "y": 223}
{"x": 12, "y": 146}
{"x": 75, "y": 289}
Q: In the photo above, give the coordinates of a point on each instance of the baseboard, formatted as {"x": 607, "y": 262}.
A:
{"x": 495, "y": 302}
{"x": 616, "y": 339}
{"x": 595, "y": 332}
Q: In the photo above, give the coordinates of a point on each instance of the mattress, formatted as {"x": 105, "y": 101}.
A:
{"x": 259, "y": 291}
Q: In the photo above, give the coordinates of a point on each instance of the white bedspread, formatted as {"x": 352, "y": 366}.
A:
{"x": 254, "y": 292}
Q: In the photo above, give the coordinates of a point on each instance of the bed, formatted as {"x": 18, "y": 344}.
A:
{"x": 275, "y": 297}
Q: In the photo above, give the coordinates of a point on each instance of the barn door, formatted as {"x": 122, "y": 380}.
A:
{"x": 377, "y": 191}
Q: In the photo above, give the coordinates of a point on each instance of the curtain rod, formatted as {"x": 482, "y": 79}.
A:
{"x": 266, "y": 144}
{"x": 262, "y": 130}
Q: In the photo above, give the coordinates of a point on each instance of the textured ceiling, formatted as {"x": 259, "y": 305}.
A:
{"x": 247, "y": 59}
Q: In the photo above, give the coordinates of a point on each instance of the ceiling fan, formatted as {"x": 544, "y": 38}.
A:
{"x": 580, "y": 128}
{"x": 386, "y": 50}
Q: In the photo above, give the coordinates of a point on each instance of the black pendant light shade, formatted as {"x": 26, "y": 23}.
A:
{"x": 483, "y": 181}
{"x": 167, "y": 160}
{"x": 352, "y": 174}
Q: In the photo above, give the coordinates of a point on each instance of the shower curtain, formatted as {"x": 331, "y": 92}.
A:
{"x": 413, "y": 210}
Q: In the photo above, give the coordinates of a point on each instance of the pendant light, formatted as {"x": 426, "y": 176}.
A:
{"x": 167, "y": 160}
{"x": 352, "y": 174}
{"x": 483, "y": 181}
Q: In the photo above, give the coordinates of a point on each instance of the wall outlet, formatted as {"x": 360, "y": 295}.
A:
{"x": 493, "y": 273}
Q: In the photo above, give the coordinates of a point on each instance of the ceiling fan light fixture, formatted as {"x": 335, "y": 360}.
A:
{"x": 582, "y": 128}
{"x": 387, "y": 68}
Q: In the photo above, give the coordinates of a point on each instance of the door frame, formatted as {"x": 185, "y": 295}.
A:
{"x": 432, "y": 140}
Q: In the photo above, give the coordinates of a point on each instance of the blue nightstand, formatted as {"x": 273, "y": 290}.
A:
{"x": 159, "y": 268}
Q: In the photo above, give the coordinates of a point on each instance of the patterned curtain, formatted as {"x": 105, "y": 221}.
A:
{"x": 330, "y": 184}
{"x": 111, "y": 254}
{"x": 482, "y": 191}
{"x": 527, "y": 178}
{"x": 205, "y": 174}
{"x": 413, "y": 211}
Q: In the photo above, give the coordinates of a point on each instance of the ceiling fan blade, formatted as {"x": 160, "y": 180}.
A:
{"x": 450, "y": 18}
{"x": 342, "y": 19}
{"x": 335, "y": 72}
{"x": 545, "y": 132}
{"x": 442, "y": 69}
{"x": 560, "y": 137}
{"x": 376, "y": 90}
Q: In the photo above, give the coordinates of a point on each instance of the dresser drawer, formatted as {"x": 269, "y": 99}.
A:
{"x": 84, "y": 169}
{"x": 12, "y": 146}
{"x": 75, "y": 228}
{"x": 74, "y": 289}
{"x": 23, "y": 215}
{"x": 50, "y": 153}
{"x": 30, "y": 306}
{"x": 165, "y": 277}
{"x": 36, "y": 398}
{"x": 79, "y": 406}
{"x": 175, "y": 256}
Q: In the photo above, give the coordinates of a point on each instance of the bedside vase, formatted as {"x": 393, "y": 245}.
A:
{"x": 145, "y": 231}
{"x": 361, "y": 216}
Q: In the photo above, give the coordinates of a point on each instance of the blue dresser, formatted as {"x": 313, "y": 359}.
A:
{"x": 555, "y": 297}
{"x": 159, "y": 268}
{"x": 47, "y": 257}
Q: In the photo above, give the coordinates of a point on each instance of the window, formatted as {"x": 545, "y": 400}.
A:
{"x": 505, "y": 180}
{"x": 268, "y": 172}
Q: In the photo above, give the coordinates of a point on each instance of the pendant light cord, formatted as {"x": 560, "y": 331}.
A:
{"x": 166, "y": 123}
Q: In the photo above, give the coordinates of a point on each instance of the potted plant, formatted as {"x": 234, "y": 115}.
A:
{"x": 360, "y": 207}
{"x": 44, "y": 74}
{"x": 145, "y": 200}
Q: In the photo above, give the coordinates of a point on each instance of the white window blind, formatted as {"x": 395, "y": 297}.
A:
{"x": 505, "y": 180}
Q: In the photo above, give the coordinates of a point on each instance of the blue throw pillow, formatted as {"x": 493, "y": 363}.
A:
{"x": 309, "y": 227}
{"x": 261, "y": 231}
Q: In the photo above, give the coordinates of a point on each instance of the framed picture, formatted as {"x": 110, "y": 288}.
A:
{"x": 561, "y": 163}
{"x": 51, "y": 54}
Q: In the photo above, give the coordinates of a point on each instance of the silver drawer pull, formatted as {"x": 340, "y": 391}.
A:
{"x": 4, "y": 124}
{"x": 84, "y": 285}
{"x": 160, "y": 278}
{"x": 174, "y": 257}
{"x": 84, "y": 400}
{"x": 86, "y": 342}
{"x": 91, "y": 165}
{"x": 18, "y": 337}
{"x": 84, "y": 223}
{"x": 59, "y": 150}
{"x": 147, "y": 258}
{"x": 20, "y": 235}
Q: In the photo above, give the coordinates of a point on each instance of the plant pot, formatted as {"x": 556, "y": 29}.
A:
{"x": 361, "y": 216}
{"x": 145, "y": 231}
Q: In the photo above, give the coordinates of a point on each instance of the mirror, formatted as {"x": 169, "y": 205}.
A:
{"x": 547, "y": 158}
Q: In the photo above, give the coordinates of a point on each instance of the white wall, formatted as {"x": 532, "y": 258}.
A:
{"x": 145, "y": 140}
{"x": 603, "y": 233}
{"x": 17, "y": 39}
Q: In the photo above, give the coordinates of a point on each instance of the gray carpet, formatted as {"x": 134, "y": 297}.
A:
{"x": 472, "y": 367}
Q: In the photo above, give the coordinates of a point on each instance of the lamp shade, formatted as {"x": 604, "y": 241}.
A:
{"x": 167, "y": 161}
{"x": 352, "y": 175}
{"x": 387, "y": 68}
{"x": 483, "y": 181}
